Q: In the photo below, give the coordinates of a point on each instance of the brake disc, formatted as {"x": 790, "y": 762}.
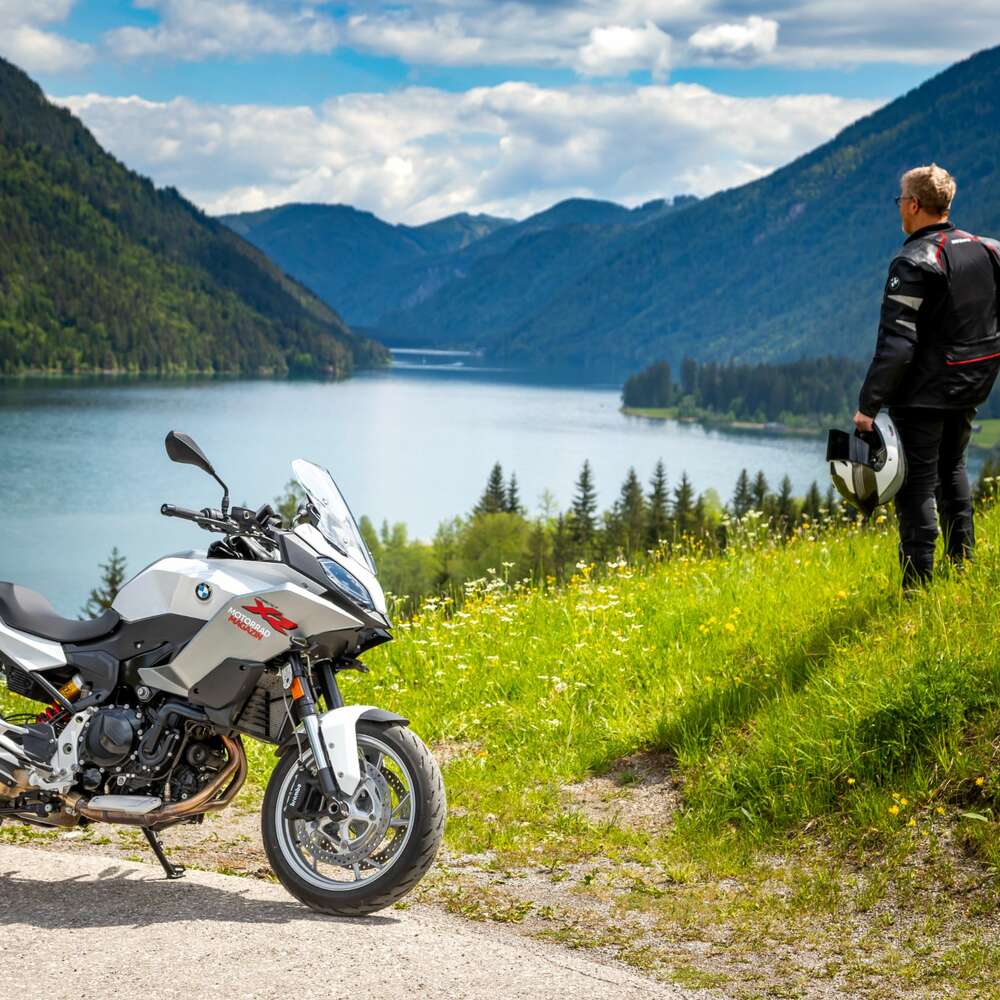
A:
{"x": 396, "y": 784}
{"x": 352, "y": 840}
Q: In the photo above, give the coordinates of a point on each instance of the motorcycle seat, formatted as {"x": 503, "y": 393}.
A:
{"x": 27, "y": 611}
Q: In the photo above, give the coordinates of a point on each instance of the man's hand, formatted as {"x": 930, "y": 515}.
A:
{"x": 863, "y": 423}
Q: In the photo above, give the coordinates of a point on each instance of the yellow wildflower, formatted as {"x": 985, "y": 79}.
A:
{"x": 893, "y": 810}
{"x": 850, "y": 781}
{"x": 980, "y": 781}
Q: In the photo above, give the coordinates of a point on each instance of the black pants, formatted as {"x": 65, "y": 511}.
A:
{"x": 934, "y": 442}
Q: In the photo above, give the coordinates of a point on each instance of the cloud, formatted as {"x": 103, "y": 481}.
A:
{"x": 192, "y": 30}
{"x": 420, "y": 153}
{"x": 23, "y": 42}
{"x": 443, "y": 40}
{"x": 617, "y": 50}
{"x": 590, "y": 37}
{"x": 613, "y": 37}
{"x": 582, "y": 36}
{"x": 750, "y": 41}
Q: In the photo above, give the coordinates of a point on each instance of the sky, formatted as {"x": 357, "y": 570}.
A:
{"x": 415, "y": 109}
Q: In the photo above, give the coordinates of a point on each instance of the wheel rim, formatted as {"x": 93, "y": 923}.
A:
{"x": 343, "y": 855}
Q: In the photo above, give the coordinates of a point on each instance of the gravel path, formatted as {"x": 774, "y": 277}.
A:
{"x": 89, "y": 928}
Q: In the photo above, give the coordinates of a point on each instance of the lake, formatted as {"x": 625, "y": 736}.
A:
{"x": 83, "y": 468}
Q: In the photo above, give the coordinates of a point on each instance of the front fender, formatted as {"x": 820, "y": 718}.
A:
{"x": 339, "y": 731}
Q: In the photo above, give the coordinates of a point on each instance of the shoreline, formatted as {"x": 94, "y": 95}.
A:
{"x": 721, "y": 423}
{"x": 984, "y": 439}
{"x": 114, "y": 374}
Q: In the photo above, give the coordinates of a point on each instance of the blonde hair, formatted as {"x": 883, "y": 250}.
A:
{"x": 932, "y": 186}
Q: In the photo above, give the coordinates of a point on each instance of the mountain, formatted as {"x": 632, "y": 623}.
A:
{"x": 500, "y": 279}
{"x": 788, "y": 266}
{"x": 99, "y": 270}
{"x": 366, "y": 266}
{"x": 374, "y": 270}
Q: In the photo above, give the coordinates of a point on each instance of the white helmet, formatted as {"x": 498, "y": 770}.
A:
{"x": 867, "y": 468}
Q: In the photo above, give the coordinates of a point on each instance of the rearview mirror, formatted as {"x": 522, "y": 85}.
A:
{"x": 181, "y": 448}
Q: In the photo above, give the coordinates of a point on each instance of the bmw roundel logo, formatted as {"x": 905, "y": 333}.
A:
{"x": 203, "y": 591}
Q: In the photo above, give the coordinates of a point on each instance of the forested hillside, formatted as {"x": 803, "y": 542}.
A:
{"x": 405, "y": 280}
{"x": 790, "y": 265}
{"x": 354, "y": 259}
{"x": 99, "y": 270}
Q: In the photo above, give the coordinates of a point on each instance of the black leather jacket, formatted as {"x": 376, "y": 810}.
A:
{"x": 938, "y": 343}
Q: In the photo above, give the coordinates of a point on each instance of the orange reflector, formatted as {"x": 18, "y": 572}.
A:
{"x": 297, "y": 690}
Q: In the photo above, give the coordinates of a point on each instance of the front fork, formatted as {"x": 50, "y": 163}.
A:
{"x": 304, "y": 710}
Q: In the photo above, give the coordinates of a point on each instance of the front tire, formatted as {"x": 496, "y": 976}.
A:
{"x": 354, "y": 867}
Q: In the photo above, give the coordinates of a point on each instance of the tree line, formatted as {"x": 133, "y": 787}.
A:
{"x": 646, "y": 519}
{"x": 819, "y": 390}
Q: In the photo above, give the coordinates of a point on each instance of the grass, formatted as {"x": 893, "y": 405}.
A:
{"x": 834, "y": 749}
{"x": 789, "y": 684}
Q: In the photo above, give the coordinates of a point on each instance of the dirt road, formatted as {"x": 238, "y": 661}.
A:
{"x": 92, "y": 928}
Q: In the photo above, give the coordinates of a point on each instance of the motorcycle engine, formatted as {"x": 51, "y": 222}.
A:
{"x": 126, "y": 750}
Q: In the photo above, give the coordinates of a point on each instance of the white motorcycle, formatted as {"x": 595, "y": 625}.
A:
{"x": 148, "y": 703}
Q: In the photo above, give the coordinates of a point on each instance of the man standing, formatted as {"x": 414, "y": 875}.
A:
{"x": 936, "y": 358}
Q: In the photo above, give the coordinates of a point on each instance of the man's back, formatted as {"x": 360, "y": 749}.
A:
{"x": 940, "y": 304}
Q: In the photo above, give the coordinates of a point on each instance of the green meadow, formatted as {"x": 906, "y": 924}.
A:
{"x": 787, "y": 684}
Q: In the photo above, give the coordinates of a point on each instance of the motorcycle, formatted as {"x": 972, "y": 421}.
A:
{"x": 148, "y": 704}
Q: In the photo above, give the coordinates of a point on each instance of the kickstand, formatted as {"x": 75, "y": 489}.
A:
{"x": 172, "y": 870}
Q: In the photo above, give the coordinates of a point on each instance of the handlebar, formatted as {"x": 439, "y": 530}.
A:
{"x": 171, "y": 510}
{"x": 212, "y": 520}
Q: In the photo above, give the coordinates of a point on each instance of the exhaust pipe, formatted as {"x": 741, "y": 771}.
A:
{"x": 227, "y": 782}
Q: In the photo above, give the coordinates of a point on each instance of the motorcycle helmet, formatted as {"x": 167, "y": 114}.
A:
{"x": 867, "y": 468}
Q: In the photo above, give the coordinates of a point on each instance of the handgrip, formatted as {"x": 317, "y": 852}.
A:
{"x": 170, "y": 510}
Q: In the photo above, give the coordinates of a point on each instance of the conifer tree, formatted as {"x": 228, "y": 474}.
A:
{"x": 658, "y": 513}
{"x": 760, "y": 490}
{"x": 513, "y": 504}
{"x": 684, "y": 507}
{"x": 584, "y": 507}
{"x": 743, "y": 495}
{"x": 784, "y": 509}
{"x": 689, "y": 377}
{"x": 560, "y": 545}
{"x": 494, "y": 498}
{"x": 812, "y": 502}
{"x": 112, "y": 577}
{"x": 631, "y": 513}
{"x": 700, "y": 516}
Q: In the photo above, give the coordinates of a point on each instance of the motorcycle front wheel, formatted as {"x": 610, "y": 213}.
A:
{"x": 376, "y": 848}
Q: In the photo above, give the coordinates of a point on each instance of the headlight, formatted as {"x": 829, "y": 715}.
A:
{"x": 347, "y": 583}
